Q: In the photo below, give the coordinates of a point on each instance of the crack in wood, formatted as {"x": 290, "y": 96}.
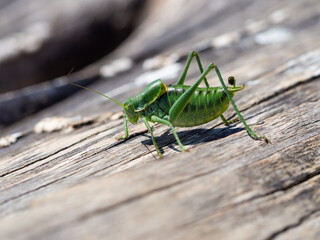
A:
{"x": 278, "y": 93}
{"x": 138, "y": 197}
{"x": 31, "y": 191}
{"x": 66, "y": 176}
{"x": 117, "y": 163}
{"x": 38, "y": 160}
{"x": 51, "y": 155}
{"x": 300, "y": 180}
{"x": 300, "y": 221}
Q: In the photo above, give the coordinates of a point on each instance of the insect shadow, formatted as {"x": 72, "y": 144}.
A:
{"x": 191, "y": 137}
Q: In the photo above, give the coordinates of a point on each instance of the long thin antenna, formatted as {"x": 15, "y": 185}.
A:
{"x": 91, "y": 89}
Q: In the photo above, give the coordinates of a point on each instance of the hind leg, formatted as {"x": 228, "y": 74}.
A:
{"x": 183, "y": 75}
{"x": 251, "y": 133}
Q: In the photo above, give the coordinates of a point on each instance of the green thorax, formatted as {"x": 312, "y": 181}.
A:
{"x": 135, "y": 105}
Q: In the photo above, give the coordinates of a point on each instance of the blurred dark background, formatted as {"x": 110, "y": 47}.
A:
{"x": 41, "y": 39}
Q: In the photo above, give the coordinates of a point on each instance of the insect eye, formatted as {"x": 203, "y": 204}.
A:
{"x": 232, "y": 81}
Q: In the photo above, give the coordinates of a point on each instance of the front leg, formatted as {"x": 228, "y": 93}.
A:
{"x": 152, "y": 137}
{"x": 125, "y": 128}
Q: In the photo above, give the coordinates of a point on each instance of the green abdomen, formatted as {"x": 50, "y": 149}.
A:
{"x": 205, "y": 105}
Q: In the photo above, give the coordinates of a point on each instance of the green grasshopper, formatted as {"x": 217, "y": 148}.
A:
{"x": 180, "y": 105}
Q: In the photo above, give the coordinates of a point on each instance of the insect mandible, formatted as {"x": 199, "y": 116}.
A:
{"x": 181, "y": 105}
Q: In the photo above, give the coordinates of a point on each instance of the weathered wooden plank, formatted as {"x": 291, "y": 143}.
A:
{"x": 84, "y": 184}
{"x": 230, "y": 172}
{"x": 307, "y": 228}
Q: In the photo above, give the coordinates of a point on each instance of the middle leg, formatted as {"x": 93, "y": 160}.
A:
{"x": 251, "y": 133}
{"x": 160, "y": 120}
{"x": 152, "y": 137}
{"x": 226, "y": 122}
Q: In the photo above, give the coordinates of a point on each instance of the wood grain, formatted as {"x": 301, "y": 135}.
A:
{"x": 81, "y": 183}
